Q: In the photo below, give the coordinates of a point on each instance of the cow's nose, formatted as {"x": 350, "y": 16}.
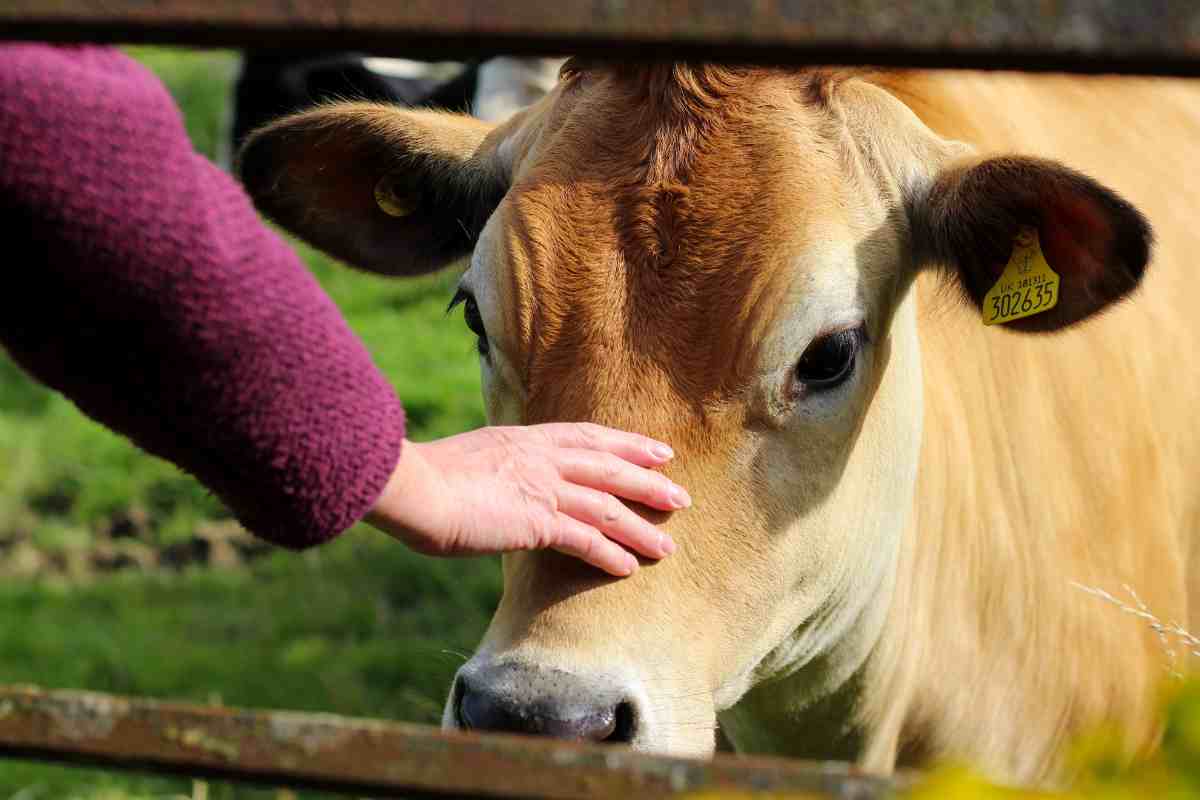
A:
{"x": 514, "y": 698}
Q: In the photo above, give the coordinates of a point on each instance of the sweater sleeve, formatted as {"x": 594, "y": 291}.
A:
{"x": 140, "y": 283}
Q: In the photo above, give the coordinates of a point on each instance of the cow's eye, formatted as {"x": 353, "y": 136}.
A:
{"x": 829, "y": 360}
{"x": 471, "y": 316}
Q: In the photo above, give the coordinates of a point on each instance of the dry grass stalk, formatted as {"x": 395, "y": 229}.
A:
{"x": 1168, "y": 632}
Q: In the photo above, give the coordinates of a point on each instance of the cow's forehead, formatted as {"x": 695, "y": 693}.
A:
{"x": 651, "y": 239}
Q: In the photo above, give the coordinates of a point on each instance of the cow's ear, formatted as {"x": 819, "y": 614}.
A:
{"x": 390, "y": 190}
{"x": 978, "y": 215}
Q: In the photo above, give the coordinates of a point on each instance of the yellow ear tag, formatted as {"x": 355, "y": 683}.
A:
{"x": 1028, "y": 285}
{"x": 391, "y": 201}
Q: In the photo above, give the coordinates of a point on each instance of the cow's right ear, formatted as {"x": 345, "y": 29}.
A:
{"x": 978, "y": 210}
{"x": 390, "y": 190}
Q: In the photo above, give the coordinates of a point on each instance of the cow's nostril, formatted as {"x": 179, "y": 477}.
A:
{"x": 487, "y": 708}
{"x": 626, "y": 722}
{"x": 456, "y": 701}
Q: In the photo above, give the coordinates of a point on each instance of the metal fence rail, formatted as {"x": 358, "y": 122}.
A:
{"x": 323, "y": 751}
{"x": 1141, "y": 36}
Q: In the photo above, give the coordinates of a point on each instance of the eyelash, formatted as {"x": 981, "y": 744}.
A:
{"x": 472, "y": 318}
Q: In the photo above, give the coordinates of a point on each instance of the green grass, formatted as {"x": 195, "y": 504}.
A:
{"x": 360, "y": 626}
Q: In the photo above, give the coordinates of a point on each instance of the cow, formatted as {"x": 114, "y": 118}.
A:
{"x": 790, "y": 274}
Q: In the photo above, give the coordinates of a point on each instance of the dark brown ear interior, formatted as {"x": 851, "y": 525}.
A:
{"x": 1098, "y": 243}
{"x": 316, "y": 174}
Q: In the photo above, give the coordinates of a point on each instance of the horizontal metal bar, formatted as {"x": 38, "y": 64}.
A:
{"x": 323, "y": 751}
{"x": 1141, "y": 36}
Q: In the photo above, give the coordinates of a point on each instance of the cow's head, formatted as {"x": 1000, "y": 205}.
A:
{"x": 721, "y": 258}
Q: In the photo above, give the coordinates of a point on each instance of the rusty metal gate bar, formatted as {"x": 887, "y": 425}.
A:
{"x": 323, "y": 751}
{"x": 1137, "y": 36}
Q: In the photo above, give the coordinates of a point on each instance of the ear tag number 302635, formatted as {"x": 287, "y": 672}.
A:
{"x": 1027, "y": 286}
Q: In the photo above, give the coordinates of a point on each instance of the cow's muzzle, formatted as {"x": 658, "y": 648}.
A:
{"x": 541, "y": 701}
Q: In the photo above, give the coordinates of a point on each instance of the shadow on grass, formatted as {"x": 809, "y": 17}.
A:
{"x": 19, "y": 394}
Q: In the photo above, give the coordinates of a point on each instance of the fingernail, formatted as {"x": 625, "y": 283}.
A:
{"x": 631, "y": 565}
{"x": 666, "y": 545}
{"x": 661, "y": 451}
{"x": 679, "y": 497}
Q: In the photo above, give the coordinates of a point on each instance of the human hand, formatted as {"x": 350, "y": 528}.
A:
{"x": 554, "y": 486}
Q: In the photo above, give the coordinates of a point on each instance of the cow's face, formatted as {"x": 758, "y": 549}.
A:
{"x": 720, "y": 259}
{"x": 730, "y": 290}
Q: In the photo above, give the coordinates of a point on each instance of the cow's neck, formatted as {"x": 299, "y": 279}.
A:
{"x": 811, "y": 713}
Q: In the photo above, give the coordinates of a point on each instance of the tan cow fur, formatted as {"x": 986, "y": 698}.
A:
{"x": 1048, "y": 460}
{"x": 884, "y": 573}
{"x": 1045, "y": 460}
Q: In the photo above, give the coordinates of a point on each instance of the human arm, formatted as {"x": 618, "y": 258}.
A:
{"x": 148, "y": 292}
{"x": 141, "y": 284}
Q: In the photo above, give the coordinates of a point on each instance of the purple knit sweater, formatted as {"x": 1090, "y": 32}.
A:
{"x": 141, "y": 284}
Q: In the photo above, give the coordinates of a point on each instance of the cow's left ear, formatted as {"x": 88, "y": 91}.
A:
{"x": 390, "y": 190}
{"x": 977, "y": 213}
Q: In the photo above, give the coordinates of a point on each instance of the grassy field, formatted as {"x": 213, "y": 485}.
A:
{"x": 359, "y": 627}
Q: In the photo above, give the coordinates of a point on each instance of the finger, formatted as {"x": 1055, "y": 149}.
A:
{"x": 584, "y": 542}
{"x": 608, "y": 473}
{"x": 614, "y": 519}
{"x": 633, "y": 447}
